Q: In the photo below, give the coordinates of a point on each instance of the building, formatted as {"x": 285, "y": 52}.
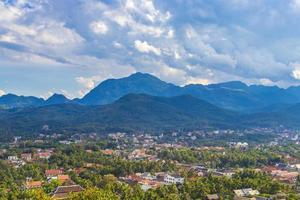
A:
{"x": 138, "y": 154}
{"x": 12, "y": 158}
{"x": 62, "y": 192}
{"x": 53, "y": 173}
{"x": 108, "y": 152}
{"x": 247, "y": 192}
{"x": 169, "y": 179}
{"x": 44, "y": 155}
{"x": 63, "y": 178}
{"x": 33, "y": 184}
{"x": 26, "y": 157}
{"x": 16, "y": 161}
{"x": 212, "y": 197}
{"x": 148, "y": 176}
{"x": 285, "y": 176}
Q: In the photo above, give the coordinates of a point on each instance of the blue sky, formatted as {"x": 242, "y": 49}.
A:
{"x": 69, "y": 46}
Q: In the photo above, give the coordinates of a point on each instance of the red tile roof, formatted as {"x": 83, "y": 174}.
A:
{"x": 53, "y": 172}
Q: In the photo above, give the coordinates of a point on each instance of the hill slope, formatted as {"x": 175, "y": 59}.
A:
{"x": 13, "y": 101}
{"x": 132, "y": 112}
{"x": 113, "y": 89}
{"x": 233, "y": 95}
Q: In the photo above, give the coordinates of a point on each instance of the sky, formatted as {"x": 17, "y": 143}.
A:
{"x": 70, "y": 46}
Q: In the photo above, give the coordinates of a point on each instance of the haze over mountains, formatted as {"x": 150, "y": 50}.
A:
{"x": 233, "y": 95}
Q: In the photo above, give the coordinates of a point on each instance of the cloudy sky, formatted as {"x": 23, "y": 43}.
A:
{"x": 69, "y": 46}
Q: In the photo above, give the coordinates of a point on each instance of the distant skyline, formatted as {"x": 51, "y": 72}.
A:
{"x": 69, "y": 46}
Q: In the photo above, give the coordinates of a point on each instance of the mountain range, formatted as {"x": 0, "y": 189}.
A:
{"x": 232, "y": 95}
{"x": 142, "y": 102}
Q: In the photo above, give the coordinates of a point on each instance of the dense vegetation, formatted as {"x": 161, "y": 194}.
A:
{"x": 222, "y": 159}
{"x": 100, "y": 179}
{"x": 134, "y": 113}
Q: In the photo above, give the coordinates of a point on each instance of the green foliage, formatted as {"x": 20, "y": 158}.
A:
{"x": 222, "y": 159}
{"x": 100, "y": 181}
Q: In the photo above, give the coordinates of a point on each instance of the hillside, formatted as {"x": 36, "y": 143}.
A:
{"x": 132, "y": 112}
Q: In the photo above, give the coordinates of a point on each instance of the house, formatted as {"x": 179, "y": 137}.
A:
{"x": 212, "y": 197}
{"x": 53, "y": 173}
{"x": 285, "y": 176}
{"x": 62, "y": 192}
{"x": 169, "y": 179}
{"x": 12, "y": 158}
{"x": 227, "y": 173}
{"x": 63, "y": 178}
{"x": 108, "y": 152}
{"x": 44, "y": 155}
{"x": 239, "y": 145}
{"x": 16, "y": 161}
{"x": 33, "y": 184}
{"x": 26, "y": 157}
{"x": 247, "y": 192}
{"x": 148, "y": 176}
{"x": 138, "y": 154}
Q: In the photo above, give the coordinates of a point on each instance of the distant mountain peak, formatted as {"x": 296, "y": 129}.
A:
{"x": 56, "y": 95}
{"x": 57, "y": 99}
{"x": 112, "y": 89}
{"x": 142, "y": 75}
{"x": 231, "y": 85}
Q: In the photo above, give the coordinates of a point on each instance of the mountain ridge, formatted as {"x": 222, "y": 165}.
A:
{"x": 232, "y": 95}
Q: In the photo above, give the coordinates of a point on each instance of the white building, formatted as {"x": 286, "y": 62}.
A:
{"x": 173, "y": 179}
{"x": 12, "y": 158}
{"x": 246, "y": 192}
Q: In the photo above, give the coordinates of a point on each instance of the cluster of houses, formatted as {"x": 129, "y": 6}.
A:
{"x": 67, "y": 186}
{"x": 147, "y": 180}
{"x": 18, "y": 161}
{"x": 249, "y": 194}
{"x": 15, "y": 161}
{"x": 239, "y": 145}
{"x": 283, "y": 174}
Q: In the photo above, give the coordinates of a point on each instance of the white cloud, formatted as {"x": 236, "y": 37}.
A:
{"x": 146, "y": 9}
{"x": 9, "y": 13}
{"x": 117, "y": 45}
{"x": 295, "y": 4}
{"x": 144, "y": 47}
{"x": 193, "y": 80}
{"x": 54, "y": 33}
{"x": 87, "y": 83}
{"x": 2, "y": 93}
{"x": 142, "y": 17}
{"x": 170, "y": 34}
{"x": 266, "y": 81}
{"x": 99, "y": 27}
{"x": 182, "y": 49}
{"x": 177, "y": 56}
{"x": 296, "y": 70}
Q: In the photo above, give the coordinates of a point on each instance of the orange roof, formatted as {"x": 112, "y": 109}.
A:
{"x": 63, "y": 177}
{"x": 44, "y": 154}
{"x": 33, "y": 184}
{"x": 108, "y": 152}
{"x": 53, "y": 172}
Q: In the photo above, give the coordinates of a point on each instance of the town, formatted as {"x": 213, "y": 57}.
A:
{"x": 57, "y": 167}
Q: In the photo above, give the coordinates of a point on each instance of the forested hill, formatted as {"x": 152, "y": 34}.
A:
{"x": 132, "y": 112}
